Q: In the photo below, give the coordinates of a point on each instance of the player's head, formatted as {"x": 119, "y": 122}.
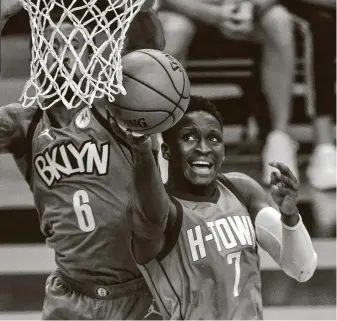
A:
{"x": 69, "y": 50}
{"x": 58, "y": 37}
{"x": 194, "y": 147}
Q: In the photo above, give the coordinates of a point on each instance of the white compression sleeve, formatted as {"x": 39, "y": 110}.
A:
{"x": 290, "y": 247}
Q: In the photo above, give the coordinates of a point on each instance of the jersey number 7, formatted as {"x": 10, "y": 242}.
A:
{"x": 235, "y": 258}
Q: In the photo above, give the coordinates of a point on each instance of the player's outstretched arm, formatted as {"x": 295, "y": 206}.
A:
{"x": 278, "y": 224}
{"x": 151, "y": 206}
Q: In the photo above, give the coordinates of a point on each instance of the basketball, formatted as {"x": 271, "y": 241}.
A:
{"x": 158, "y": 92}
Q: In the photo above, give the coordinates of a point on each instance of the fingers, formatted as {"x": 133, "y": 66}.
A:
{"x": 284, "y": 187}
{"x": 285, "y": 171}
{"x": 118, "y": 130}
{"x": 273, "y": 179}
{"x": 285, "y": 180}
{"x": 138, "y": 141}
{"x": 284, "y": 190}
{"x": 132, "y": 138}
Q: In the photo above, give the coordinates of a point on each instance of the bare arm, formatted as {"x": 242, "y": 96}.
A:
{"x": 151, "y": 209}
{"x": 153, "y": 205}
{"x": 150, "y": 191}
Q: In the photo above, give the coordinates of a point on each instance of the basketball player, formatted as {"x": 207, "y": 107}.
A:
{"x": 259, "y": 21}
{"x": 196, "y": 242}
{"x": 80, "y": 174}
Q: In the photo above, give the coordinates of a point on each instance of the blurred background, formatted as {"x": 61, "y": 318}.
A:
{"x": 226, "y": 71}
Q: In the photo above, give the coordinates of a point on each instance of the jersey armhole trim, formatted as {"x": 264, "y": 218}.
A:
{"x": 172, "y": 233}
{"x": 228, "y": 184}
{"x": 29, "y": 148}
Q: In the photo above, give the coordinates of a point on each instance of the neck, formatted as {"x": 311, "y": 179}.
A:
{"x": 60, "y": 116}
{"x": 181, "y": 184}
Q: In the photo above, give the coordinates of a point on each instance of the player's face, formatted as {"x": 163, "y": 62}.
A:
{"x": 197, "y": 152}
{"x": 68, "y": 58}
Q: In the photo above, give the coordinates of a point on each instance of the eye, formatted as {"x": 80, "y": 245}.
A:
{"x": 55, "y": 46}
{"x": 215, "y": 139}
{"x": 75, "y": 43}
{"x": 189, "y": 137}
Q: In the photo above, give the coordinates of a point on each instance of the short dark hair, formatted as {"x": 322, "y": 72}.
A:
{"x": 197, "y": 103}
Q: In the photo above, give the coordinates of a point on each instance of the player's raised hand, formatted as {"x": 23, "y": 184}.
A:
{"x": 136, "y": 141}
{"x": 284, "y": 188}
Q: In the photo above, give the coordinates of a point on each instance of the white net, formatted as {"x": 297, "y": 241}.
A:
{"x": 76, "y": 50}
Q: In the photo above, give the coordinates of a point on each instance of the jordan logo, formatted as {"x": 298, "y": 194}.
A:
{"x": 83, "y": 118}
{"x": 46, "y": 132}
{"x": 152, "y": 310}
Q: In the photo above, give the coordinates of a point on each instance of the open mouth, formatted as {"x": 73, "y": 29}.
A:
{"x": 202, "y": 167}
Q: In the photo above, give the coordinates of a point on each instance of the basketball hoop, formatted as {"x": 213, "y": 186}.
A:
{"x": 104, "y": 31}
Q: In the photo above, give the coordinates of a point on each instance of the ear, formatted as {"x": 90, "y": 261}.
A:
{"x": 165, "y": 150}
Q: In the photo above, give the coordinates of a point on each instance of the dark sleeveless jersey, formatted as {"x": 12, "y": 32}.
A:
{"x": 212, "y": 271}
{"x": 80, "y": 178}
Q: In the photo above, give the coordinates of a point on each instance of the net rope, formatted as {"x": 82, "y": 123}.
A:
{"x": 104, "y": 32}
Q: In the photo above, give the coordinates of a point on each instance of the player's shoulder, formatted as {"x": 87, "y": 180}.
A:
{"x": 15, "y": 107}
{"x": 241, "y": 180}
{"x": 18, "y": 110}
{"x": 254, "y": 194}
{"x": 245, "y": 184}
{"x": 20, "y": 117}
{"x": 237, "y": 176}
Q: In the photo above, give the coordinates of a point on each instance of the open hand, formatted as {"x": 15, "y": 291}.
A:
{"x": 284, "y": 188}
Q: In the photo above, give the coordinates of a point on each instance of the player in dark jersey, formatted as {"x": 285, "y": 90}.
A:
{"x": 196, "y": 241}
{"x": 80, "y": 175}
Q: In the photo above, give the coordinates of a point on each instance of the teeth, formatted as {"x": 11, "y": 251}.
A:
{"x": 201, "y": 163}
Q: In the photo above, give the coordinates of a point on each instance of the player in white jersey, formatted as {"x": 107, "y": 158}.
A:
{"x": 196, "y": 241}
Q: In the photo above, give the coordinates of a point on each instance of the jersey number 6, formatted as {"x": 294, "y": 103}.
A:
{"x": 83, "y": 211}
